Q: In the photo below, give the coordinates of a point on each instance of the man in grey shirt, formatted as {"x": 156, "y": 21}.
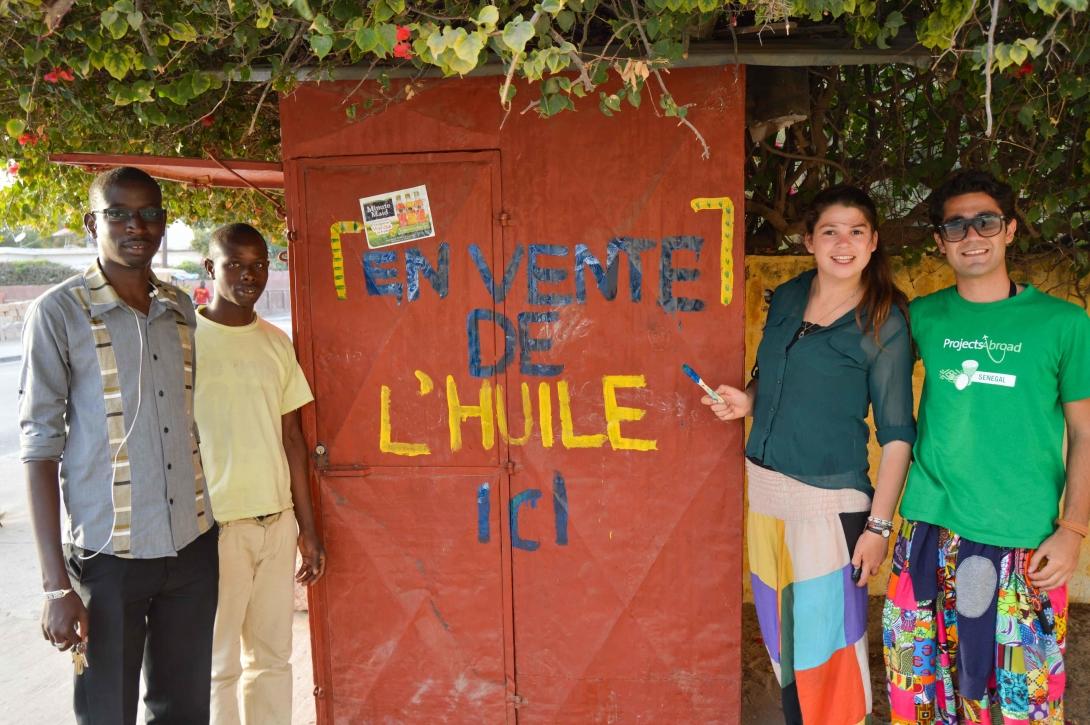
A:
{"x": 130, "y": 563}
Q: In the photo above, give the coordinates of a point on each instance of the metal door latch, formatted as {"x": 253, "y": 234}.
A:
{"x": 321, "y": 456}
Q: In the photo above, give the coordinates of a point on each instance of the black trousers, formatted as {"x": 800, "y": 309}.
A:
{"x": 154, "y": 613}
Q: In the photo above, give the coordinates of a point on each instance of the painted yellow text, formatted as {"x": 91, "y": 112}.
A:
{"x": 488, "y": 410}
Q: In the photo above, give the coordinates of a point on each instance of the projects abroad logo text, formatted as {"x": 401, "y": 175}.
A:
{"x": 996, "y": 351}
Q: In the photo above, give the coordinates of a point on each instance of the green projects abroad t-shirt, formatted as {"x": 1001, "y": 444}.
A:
{"x": 988, "y": 460}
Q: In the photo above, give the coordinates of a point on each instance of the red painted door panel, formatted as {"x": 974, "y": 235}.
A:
{"x": 619, "y": 614}
{"x": 415, "y": 613}
{"x": 369, "y": 347}
{"x": 415, "y": 607}
{"x": 597, "y": 578}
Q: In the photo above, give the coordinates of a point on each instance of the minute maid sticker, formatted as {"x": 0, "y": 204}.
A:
{"x": 397, "y": 217}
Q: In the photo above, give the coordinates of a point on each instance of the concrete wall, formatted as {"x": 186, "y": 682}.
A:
{"x": 929, "y": 275}
{"x": 21, "y": 292}
{"x": 11, "y": 320}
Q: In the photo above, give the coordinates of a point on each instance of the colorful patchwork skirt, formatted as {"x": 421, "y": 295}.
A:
{"x": 964, "y": 631}
{"x": 813, "y": 617}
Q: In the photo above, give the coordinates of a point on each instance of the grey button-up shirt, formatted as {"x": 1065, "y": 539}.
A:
{"x": 62, "y": 416}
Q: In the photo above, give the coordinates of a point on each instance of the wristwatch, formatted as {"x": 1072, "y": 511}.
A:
{"x": 57, "y": 594}
{"x": 884, "y": 533}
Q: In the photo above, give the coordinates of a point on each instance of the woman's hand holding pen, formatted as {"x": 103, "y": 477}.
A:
{"x": 870, "y": 553}
{"x": 736, "y": 403}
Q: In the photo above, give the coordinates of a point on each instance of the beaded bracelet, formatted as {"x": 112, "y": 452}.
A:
{"x": 881, "y": 523}
{"x": 1072, "y": 526}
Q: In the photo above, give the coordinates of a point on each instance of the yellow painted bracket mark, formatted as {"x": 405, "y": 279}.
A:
{"x": 335, "y": 232}
{"x": 726, "y": 239}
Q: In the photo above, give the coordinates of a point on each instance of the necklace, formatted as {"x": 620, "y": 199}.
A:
{"x": 819, "y": 320}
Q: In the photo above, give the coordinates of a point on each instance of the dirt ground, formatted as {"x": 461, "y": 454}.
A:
{"x": 761, "y": 694}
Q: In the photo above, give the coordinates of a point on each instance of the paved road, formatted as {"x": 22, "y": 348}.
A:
{"x": 9, "y": 401}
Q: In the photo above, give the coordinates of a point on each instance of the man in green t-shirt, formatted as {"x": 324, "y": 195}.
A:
{"x": 976, "y": 611}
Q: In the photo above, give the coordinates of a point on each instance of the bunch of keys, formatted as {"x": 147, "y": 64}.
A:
{"x": 79, "y": 657}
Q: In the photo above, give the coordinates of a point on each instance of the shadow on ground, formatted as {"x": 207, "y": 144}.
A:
{"x": 761, "y": 694}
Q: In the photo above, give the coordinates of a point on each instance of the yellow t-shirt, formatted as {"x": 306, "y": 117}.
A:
{"x": 247, "y": 378}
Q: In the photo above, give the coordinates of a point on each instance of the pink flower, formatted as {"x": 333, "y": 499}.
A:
{"x": 65, "y": 75}
{"x": 13, "y": 168}
{"x": 51, "y": 76}
{"x": 403, "y": 50}
{"x": 28, "y": 139}
{"x": 1026, "y": 69}
{"x": 403, "y": 33}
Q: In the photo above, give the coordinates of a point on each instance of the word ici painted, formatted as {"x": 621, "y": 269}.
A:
{"x": 514, "y": 508}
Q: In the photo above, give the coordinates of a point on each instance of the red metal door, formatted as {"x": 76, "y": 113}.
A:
{"x": 530, "y": 516}
{"x": 618, "y": 572}
{"x": 415, "y": 609}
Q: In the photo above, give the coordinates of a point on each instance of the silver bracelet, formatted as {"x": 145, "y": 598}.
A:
{"x": 57, "y": 594}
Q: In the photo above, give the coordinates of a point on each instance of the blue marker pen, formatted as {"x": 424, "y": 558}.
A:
{"x": 696, "y": 379}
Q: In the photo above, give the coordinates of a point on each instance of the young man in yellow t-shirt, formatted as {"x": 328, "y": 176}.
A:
{"x": 249, "y": 392}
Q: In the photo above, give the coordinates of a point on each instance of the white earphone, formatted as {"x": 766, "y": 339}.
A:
{"x": 125, "y": 439}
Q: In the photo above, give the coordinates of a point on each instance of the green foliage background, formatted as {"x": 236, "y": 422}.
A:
{"x": 33, "y": 272}
{"x": 180, "y": 79}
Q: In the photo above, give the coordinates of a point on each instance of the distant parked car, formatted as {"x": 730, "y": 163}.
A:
{"x": 174, "y": 275}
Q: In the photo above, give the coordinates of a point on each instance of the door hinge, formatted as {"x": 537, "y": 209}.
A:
{"x": 504, "y": 219}
{"x": 321, "y": 456}
{"x": 517, "y": 700}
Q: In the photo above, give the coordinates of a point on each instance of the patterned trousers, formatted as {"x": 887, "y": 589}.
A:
{"x": 964, "y": 630}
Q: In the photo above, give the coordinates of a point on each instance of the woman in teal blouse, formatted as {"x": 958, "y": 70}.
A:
{"x": 836, "y": 344}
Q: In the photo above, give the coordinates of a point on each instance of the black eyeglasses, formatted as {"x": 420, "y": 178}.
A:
{"x": 148, "y": 214}
{"x": 986, "y": 225}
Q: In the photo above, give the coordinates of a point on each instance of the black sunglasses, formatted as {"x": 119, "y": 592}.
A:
{"x": 148, "y": 214}
{"x": 986, "y": 225}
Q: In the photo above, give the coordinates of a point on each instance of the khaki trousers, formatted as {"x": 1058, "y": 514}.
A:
{"x": 252, "y": 637}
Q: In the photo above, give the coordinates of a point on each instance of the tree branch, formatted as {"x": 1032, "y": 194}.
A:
{"x": 803, "y": 157}
{"x": 144, "y": 33}
{"x": 682, "y": 121}
{"x": 584, "y": 75}
{"x": 268, "y": 86}
{"x": 988, "y": 68}
{"x": 504, "y": 100}
{"x": 55, "y": 13}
